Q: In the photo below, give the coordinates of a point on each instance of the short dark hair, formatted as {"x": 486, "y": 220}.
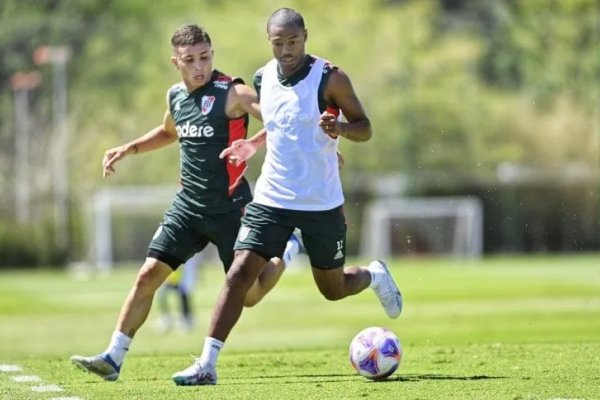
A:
{"x": 189, "y": 35}
{"x": 284, "y": 17}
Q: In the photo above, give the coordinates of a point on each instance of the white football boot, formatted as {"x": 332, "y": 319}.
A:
{"x": 196, "y": 374}
{"x": 101, "y": 365}
{"x": 385, "y": 288}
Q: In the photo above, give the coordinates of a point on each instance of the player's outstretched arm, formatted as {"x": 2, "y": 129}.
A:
{"x": 156, "y": 138}
{"x": 241, "y": 100}
{"x": 242, "y": 149}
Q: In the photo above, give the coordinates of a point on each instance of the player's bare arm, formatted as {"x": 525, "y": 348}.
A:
{"x": 339, "y": 91}
{"x": 242, "y": 99}
{"x": 156, "y": 138}
{"x": 243, "y": 149}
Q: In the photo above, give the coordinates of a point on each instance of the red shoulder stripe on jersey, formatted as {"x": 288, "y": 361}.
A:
{"x": 238, "y": 129}
{"x": 222, "y": 77}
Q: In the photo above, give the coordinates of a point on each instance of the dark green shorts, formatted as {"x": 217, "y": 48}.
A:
{"x": 181, "y": 235}
{"x": 265, "y": 230}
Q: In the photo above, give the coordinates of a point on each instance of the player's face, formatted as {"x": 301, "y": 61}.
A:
{"x": 287, "y": 43}
{"x": 195, "y": 64}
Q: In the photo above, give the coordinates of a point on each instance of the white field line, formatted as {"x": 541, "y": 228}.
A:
{"x": 34, "y": 378}
{"x": 65, "y": 398}
{"x": 10, "y": 368}
{"x": 47, "y": 388}
{"x": 26, "y": 378}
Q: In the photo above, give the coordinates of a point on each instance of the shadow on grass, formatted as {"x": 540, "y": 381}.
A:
{"x": 434, "y": 377}
{"x": 324, "y": 378}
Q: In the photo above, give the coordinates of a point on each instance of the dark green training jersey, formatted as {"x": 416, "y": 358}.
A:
{"x": 208, "y": 183}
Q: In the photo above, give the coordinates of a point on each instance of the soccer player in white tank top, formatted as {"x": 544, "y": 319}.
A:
{"x": 299, "y": 187}
{"x": 300, "y": 171}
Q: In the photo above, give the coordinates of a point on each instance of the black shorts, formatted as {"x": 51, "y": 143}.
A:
{"x": 181, "y": 235}
{"x": 265, "y": 230}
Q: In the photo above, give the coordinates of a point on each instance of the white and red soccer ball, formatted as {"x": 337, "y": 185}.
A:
{"x": 375, "y": 353}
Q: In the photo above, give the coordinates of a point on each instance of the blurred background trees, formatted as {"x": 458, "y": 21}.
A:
{"x": 497, "y": 99}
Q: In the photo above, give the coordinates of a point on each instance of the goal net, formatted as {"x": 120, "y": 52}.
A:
{"x": 122, "y": 222}
{"x": 444, "y": 226}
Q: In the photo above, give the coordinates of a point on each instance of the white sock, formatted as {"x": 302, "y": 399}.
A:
{"x": 374, "y": 278}
{"x": 210, "y": 352}
{"x": 291, "y": 250}
{"x": 118, "y": 347}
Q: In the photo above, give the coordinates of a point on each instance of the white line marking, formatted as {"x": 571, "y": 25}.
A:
{"x": 10, "y": 368}
{"x": 47, "y": 388}
{"x": 34, "y": 378}
{"x": 26, "y": 378}
{"x": 66, "y": 398}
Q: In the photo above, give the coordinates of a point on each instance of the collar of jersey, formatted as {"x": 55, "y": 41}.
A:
{"x": 213, "y": 75}
{"x": 298, "y": 75}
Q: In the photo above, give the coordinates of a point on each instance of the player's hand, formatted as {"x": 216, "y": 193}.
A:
{"x": 330, "y": 125}
{"x": 239, "y": 151}
{"x": 111, "y": 156}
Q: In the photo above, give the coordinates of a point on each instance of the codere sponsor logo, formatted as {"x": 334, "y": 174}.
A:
{"x": 187, "y": 130}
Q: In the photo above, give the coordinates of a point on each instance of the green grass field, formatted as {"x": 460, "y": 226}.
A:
{"x": 501, "y": 328}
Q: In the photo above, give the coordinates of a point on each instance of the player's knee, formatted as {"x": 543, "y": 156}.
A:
{"x": 243, "y": 272}
{"x": 254, "y": 295}
{"x": 330, "y": 283}
{"x": 148, "y": 279}
{"x": 236, "y": 276}
{"x": 143, "y": 282}
{"x": 251, "y": 300}
{"x": 332, "y": 294}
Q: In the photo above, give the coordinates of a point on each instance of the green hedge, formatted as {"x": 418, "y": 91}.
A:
{"x": 28, "y": 245}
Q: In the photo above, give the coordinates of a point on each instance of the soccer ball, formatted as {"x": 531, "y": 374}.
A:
{"x": 375, "y": 352}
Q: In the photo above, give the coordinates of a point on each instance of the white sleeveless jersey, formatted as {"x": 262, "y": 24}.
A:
{"x": 300, "y": 171}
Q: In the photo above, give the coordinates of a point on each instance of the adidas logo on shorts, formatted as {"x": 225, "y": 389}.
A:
{"x": 338, "y": 255}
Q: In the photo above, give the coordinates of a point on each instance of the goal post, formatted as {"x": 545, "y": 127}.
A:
{"x": 124, "y": 205}
{"x": 443, "y": 226}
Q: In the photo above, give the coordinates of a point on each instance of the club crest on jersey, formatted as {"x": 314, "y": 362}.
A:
{"x": 206, "y": 104}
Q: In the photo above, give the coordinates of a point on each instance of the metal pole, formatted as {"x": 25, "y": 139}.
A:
{"x": 58, "y": 56}
{"x": 22, "y": 188}
{"x": 61, "y": 146}
{"x": 22, "y": 84}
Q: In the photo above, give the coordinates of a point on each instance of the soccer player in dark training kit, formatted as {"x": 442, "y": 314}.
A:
{"x": 299, "y": 186}
{"x": 206, "y": 112}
